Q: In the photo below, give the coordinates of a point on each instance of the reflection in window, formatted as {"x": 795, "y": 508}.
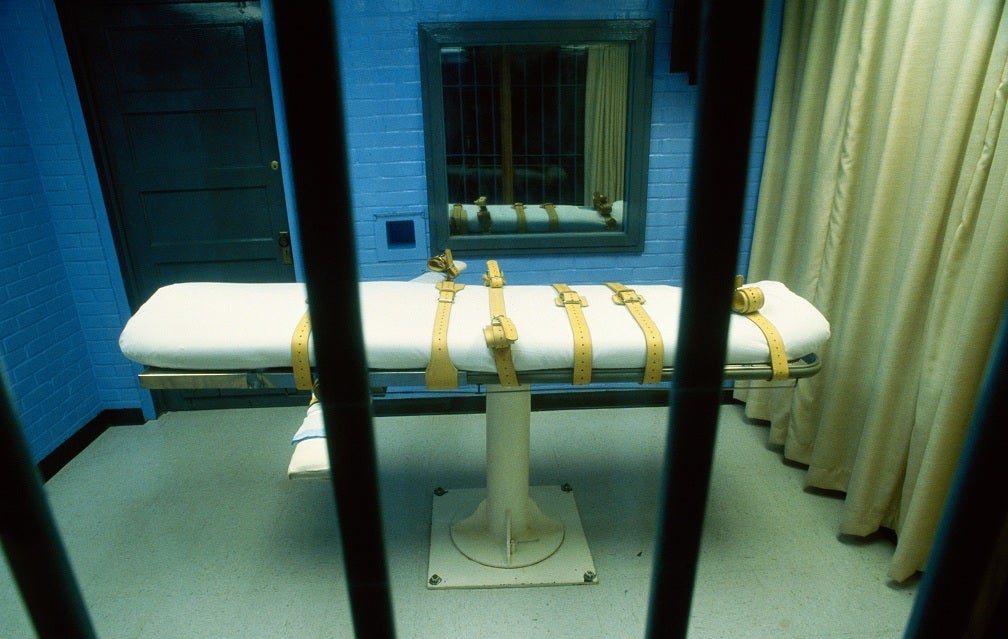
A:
{"x": 515, "y": 123}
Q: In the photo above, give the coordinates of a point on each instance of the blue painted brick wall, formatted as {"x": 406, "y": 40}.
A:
{"x": 61, "y": 310}
{"x": 41, "y": 339}
{"x": 381, "y": 75}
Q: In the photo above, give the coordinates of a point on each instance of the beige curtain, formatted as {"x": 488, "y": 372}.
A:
{"x": 884, "y": 200}
{"x": 605, "y": 120}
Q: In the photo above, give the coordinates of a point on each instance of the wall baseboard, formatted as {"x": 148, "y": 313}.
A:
{"x": 57, "y": 459}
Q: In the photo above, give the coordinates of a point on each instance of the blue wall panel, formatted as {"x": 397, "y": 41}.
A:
{"x": 62, "y": 302}
{"x": 41, "y": 339}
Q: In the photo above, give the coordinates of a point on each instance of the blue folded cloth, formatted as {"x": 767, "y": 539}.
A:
{"x": 312, "y": 426}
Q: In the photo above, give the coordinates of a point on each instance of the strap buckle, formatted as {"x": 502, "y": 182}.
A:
{"x": 510, "y": 332}
{"x": 494, "y": 281}
{"x": 447, "y": 290}
{"x": 493, "y": 278}
{"x": 627, "y": 296}
{"x": 570, "y": 298}
{"x": 501, "y": 332}
{"x": 443, "y": 263}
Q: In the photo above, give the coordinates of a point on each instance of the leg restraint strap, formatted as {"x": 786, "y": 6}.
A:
{"x": 501, "y": 332}
{"x": 655, "y": 347}
{"x": 747, "y": 301}
{"x": 571, "y": 302}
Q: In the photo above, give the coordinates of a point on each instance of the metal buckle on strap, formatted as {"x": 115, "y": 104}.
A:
{"x": 570, "y": 297}
{"x": 494, "y": 277}
{"x": 494, "y": 281}
{"x": 443, "y": 263}
{"x": 447, "y": 296}
{"x": 627, "y": 296}
{"x": 447, "y": 290}
{"x": 501, "y": 333}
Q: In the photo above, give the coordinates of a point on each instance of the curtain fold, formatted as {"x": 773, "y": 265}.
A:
{"x": 884, "y": 200}
{"x": 607, "y": 73}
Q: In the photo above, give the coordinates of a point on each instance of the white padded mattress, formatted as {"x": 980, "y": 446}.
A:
{"x": 230, "y": 326}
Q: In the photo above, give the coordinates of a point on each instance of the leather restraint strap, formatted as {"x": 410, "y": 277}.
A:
{"x": 520, "y": 214}
{"x": 604, "y": 208}
{"x": 443, "y": 263}
{"x": 572, "y": 303}
{"x": 459, "y": 220}
{"x": 299, "y": 354}
{"x": 501, "y": 332}
{"x": 554, "y": 220}
{"x": 441, "y": 373}
{"x": 747, "y": 301}
{"x": 655, "y": 347}
{"x": 483, "y": 214}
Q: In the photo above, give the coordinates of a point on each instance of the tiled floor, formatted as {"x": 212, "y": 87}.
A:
{"x": 188, "y": 527}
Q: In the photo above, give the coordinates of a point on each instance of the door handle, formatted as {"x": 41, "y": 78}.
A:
{"x": 286, "y": 252}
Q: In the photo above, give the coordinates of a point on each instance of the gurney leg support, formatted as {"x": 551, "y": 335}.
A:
{"x": 508, "y": 530}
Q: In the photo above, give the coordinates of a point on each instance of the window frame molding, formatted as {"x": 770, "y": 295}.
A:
{"x": 638, "y": 34}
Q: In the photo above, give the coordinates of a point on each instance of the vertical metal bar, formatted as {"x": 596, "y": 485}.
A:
{"x": 730, "y": 40}
{"x": 31, "y": 541}
{"x": 963, "y": 591}
{"x": 308, "y": 53}
{"x": 507, "y": 149}
{"x": 465, "y": 159}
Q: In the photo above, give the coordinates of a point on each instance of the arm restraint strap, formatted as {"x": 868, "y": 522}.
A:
{"x": 299, "y": 354}
{"x": 747, "y": 301}
{"x": 520, "y": 214}
{"x": 443, "y": 263}
{"x": 572, "y": 303}
{"x": 604, "y": 208}
{"x": 441, "y": 373}
{"x": 554, "y": 221}
{"x": 483, "y": 214}
{"x": 501, "y": 332}
{"x": 655, "y": 348}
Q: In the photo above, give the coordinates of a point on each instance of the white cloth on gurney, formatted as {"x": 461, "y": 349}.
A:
{"x": 233, "y": 326}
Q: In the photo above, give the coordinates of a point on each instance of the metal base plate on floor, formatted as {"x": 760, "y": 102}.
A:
{"x": 570, "y": 565}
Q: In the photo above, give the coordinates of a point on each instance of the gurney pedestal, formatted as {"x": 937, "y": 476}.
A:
{"x": 508, "y": 540}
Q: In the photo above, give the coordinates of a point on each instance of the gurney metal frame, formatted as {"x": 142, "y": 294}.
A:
{"x": 173, "y": 379}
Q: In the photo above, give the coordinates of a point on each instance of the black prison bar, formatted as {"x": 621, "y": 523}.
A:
{"x": 31, "y": 541}
{"x": 308, "y": 53}
{"x": 730, "y": 34}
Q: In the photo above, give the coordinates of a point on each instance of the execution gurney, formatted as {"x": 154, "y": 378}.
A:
{"x": 437, "y": 333}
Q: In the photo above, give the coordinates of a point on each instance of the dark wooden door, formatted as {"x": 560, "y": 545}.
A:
{"x": 179, "y": 109}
